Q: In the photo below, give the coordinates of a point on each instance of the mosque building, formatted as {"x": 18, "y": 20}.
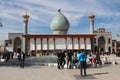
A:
{"x": 60, "y": 39}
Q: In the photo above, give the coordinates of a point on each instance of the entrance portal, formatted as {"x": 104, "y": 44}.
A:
{"x": 17, "y": 44}
{"x": 101, "y": 44}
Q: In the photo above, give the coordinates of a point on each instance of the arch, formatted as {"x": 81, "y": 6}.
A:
{"x": 101, "y": 43}
{"x": 17, "y": 44}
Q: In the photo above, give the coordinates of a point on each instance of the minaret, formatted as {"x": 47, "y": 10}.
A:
{"x": 91, "y": 19}
{"x": 25, "y": 20}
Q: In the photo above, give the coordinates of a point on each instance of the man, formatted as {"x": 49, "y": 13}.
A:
{"x": 63, "y": 58}
{"x": 69, "y": 59}
{"x": 59, "y": 60}
{"x": 82, "y": 59}
{"x": 22, "y": 59}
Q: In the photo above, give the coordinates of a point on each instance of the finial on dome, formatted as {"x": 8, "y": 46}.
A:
{"x": 59, "y": 10}
{"x": 91, "y": 16}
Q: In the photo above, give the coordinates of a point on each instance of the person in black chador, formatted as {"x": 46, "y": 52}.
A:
{"x": 22, "y": 59}
{"x": 60, "y": 59}
{"x": 69, "y": 59}
{"x": 63, "y": 58}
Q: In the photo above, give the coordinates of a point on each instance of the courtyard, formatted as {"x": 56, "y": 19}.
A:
{"x": 108, "y": 72}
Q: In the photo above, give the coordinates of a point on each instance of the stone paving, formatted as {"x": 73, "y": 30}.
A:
{"x": 110, "y": 72}
{"x": 36, "y": 70}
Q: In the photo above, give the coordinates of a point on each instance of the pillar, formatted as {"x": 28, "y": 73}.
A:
{"x": 25, "y": 20}
{"x": 91, "y": 19}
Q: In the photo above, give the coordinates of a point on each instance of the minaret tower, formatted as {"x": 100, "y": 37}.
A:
{"x": 25, "y": 20}
{"x": 91, "y": 19}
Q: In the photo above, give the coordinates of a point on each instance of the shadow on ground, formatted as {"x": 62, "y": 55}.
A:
{"x": 89, "y": 76}
{"x": 78, "y": 77}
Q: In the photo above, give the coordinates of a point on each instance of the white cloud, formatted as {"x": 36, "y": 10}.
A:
{"x": 42, "y": 12}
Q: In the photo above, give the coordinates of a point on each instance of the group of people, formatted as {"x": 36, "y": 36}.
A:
{"x": 72, "y": 60}
{"x": 95, "y": 59}
{"x": 6, "y": 56}
{"x": 65, "y": 57}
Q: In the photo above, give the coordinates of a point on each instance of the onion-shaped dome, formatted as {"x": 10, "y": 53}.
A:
{"x": 60, "y": 24}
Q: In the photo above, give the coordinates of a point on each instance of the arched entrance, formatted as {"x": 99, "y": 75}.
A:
{"x": 101, "y": 44}
{"x": 17, "y": 44}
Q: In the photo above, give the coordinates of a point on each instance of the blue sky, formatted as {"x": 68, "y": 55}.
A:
{"x": 107, "y": 15}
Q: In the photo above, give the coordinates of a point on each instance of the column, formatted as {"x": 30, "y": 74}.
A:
{"x": 72, "y": 45}
{"x": 91, "y": 19}
{"x": 35, "y": 44}
{"x": 85, "y": 43}
{"x": 79, "y": 43}
{"x": 25, "y": 19}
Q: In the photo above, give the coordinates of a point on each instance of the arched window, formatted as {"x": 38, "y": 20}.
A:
{"x": 94, "y": 40}
{"x": 17, "y": 44}
{"x": 10, "y": 41}
{"x": 109, "y": 40}
{"x": 113, "y": 44}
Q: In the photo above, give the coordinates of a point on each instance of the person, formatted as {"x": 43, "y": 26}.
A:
{"x": 98, "y": 60}
{"x": 63, "y": 58}
{"x": 82, "y": 59}
{"x": 105, "y": 59}
{"x": 59, "y": 60}
{"x": 22, "y": 59}
{"x": 18, "y": 56}
{"x": 69, "y": 59}
{"x": 90, "y": 57}
{"x": 94, "y": 60}
{"x": 74, "y": 64}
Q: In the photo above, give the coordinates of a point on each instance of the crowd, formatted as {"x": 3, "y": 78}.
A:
{"x": 10, "y": 55}
{"x": 73, "y": 60}
{"x": 80, "y": 59}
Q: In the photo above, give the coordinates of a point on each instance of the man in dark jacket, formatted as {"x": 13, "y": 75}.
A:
{"x": 22, "y": 59}
{"x": 59, "y": 60}
{"x": 69, "y": 59}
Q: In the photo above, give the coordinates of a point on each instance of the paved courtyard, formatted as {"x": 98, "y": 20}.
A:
{"x": 110, "y": 72}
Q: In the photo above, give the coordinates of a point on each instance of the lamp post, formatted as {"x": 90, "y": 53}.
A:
{"x": 118, "y": 35}
{"x": 25, "y": 20}
{"x": 1, "y": 23}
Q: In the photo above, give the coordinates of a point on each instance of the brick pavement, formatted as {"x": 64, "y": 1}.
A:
{"x": 109, "y": 72}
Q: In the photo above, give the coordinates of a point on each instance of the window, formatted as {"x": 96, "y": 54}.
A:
{"x": 94, "y": 40}
{"x": 10, "y": 41}
{"x": 109, "y": 49}
{"x": 109, "y": 40}
{"x": 113, "y": 44}
{"x": 6, "y": 44}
